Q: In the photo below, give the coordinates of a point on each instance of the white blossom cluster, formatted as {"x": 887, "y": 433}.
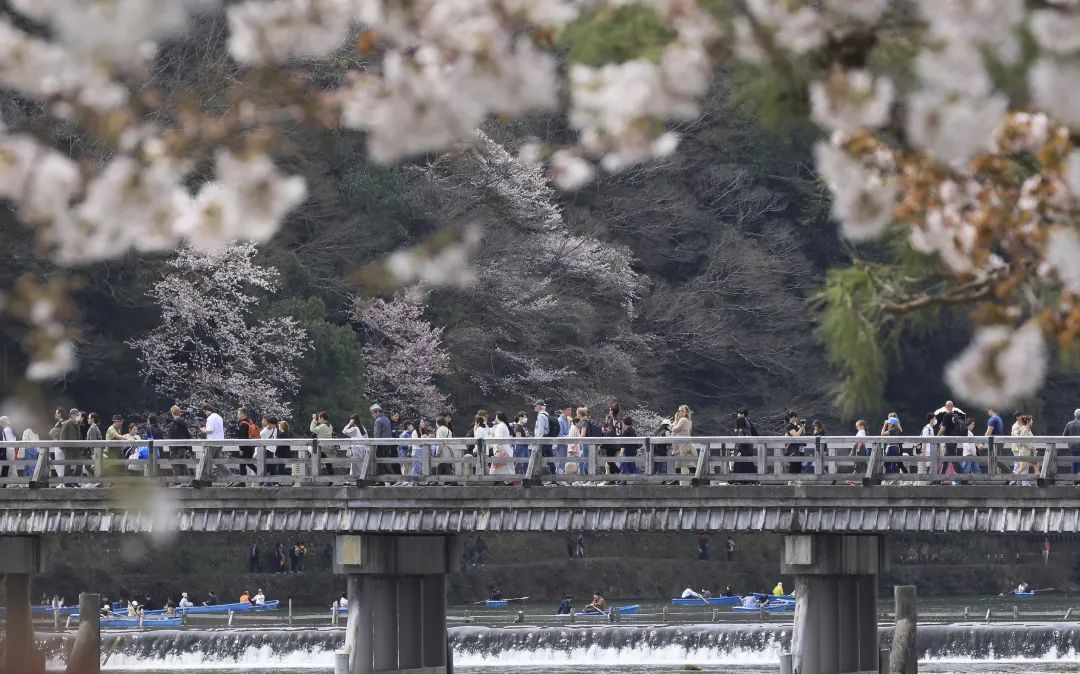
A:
{"x": 1000, "y": 366}
{"x": 209, "y": 347}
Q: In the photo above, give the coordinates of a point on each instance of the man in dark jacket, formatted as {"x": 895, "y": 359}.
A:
{"x": 179, "y": 430}
{"x": 744, "y": 427}
{"x": 66, "y": 428}
{"x": 383, "y": 429}
{"x": 93, "y": 433}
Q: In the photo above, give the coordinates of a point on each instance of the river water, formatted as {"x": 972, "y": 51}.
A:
{"x": 1040, "y": 644}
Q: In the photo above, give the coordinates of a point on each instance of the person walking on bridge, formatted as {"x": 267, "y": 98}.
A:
{"x": 1072, "y": 430}
{"x": 383, "y": 430}
{"x": 545, "y": 427}
{"x": 683, "y": 427}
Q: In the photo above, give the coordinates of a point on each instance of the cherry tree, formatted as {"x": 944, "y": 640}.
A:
{"x": 212, "y": 347}
{"x": 403, "y": 355}
{"x": 951, "y": 130}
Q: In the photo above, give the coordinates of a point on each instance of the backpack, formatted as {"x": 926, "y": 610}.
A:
{"x": 553, "y": 429}
{"x": 252, "y": 429}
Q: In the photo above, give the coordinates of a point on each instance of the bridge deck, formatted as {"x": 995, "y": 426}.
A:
{"x": 436, "y": 510}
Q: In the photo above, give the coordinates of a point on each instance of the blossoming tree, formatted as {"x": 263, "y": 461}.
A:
{"x": 211, "y": 347}
{"x": 403, "y": 356}
{"x": 949, "y": 135}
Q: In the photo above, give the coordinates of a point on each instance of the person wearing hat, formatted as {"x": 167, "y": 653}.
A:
{"x": 115, "y": 432}
{"x": 259, "y": 599}
{"x": 184, "y": 602}
{"x": 383, "y": 429}
{"x": 892, "y": 427}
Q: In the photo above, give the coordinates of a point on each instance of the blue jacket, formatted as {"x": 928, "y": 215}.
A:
{"x": 382, "y": 427}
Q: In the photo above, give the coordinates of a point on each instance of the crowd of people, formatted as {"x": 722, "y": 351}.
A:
{"x": 416, "y": 442}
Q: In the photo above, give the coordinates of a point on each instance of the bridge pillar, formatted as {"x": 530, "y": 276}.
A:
{"x": 836, "y": 602}
{"x": 20, "y": 556}
{"x": 397, "y": 602}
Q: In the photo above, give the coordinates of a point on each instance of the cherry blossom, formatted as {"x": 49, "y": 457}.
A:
{"x": 1000, "y": 366}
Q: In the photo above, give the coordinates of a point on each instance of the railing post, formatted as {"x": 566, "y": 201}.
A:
{"x": 593, "y": 451}
{"x": 260, "y": 460}
{"x": 819, "y": 459}
{"x": 99, "y": 462}
{"x": 40, "y": 478}
{"x": 1049, "y": 466}
{"x": 702, "y": 472}
{"x": 425, "y": 459}
{"x": 650, "y": 469}
{"x": 314, "y": 460}
{"x": 991, "y": 457}
{"x": 760, "y": 452}
{"x": 481, "y": 457}
{"x": 534, "y": 465}
{"x": 151, "y": 459}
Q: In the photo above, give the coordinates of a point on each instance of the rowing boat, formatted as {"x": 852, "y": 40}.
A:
{"x": 629, "y": 609}
{"x": 1030, "y": 594}
{"x": 779, "y": 607}
{"x": 712, "y": 601}
{"x": 238, "y": 607}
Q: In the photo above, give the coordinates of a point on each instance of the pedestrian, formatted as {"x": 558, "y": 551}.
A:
{"x": 794, "y": 428}
{"x": 7, "y": 434}
{"x": 356, "y": 430}
{"x": 1072, "y": 430}
{"x": 213, "y": 430}
{"x": 545, "y": 427}
{"x": 500, "y": 452}
{"x": 301, "y": 556}
{"x": 580, "y": 545}
{"x": 253, "y": 558}
{"x": 684, "y": 428}
{"x": 566, "y": 421}
{"x": 1046, "y": 550}
{"x": 519, "y": 428}
{"x": 570, "y": 545}
{"x": 743, "y": 428}
{"x": 246, "y": 429}
{"x": 629, "y": 449}
{"x": 66, "y": 428}
{"x": 267, "y": 432}
{"x": 730, "y": 549}
{"x": 661, "y": 449}
{"x": 1023, "y": 449}
{"x": 927, "y": 447}
{"x": 952, "y": 422}
{"x": 703, "y": 547}
{"x": 30, "y": 453}
{"x": 443, "y": 451}
{"x": 480, "y": 550}
{"x": 93, "y": 434}
{"x": 285, "y": 452}
{"x": 970, "y": 450}
{"x": 611, "y": 429}
{"x": 383, "y": 429}
{"x": 858, "y": 449}
{"x": 818, "y": 430}
{"x": 279, "y": 558}
{"x": 294, "y": 554}
{"x": 892, "y": 427}
{"x": 323, "y": 431}
{"x": 573, "y": 449}
{"x": 178, "y": 454}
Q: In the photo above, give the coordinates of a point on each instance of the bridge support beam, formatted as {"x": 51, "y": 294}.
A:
{"x": 836, "y": 609}
{"x": 397, "y": 602}
{"x": 20, "y": 556}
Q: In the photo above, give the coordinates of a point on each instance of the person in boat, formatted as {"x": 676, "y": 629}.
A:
{"x": 727, "y": 592}
{"x": 343, "y": 601}
{"x": 778, "y": 591}
{"x": 106, "y": 611}
{"x": 689, "y": 593}
{"x": 133, "y": 608}
{"x": 597, "y": 604}
{"x": 184, "y": 603}
{"x": 211, "y": 599}
{"x": 1022, "y": 587}
{"x": 564, "y": 606}
{"x": 259, "y": 599}
{"x": 45, "y": 601}
{"x": 170, "y": 609}
{"x": 705, "y": 593}
{"x": 245, "y": 597}
{"x": 496, "y": 595}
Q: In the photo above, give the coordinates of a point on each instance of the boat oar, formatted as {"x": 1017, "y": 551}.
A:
{"x": 518, "y": 599}
{"x": 1045, "y": 589}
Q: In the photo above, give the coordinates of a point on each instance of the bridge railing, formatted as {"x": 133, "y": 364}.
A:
{"x": 529, "y": 461}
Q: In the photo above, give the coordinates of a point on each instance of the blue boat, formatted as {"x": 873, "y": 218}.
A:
{"x": 1030, "y": 594}
{"x": 777, "y": 607}
{"x": 712, "y": 601}
{"x": 629, "y": 609}
{"x": 496, "y": 603}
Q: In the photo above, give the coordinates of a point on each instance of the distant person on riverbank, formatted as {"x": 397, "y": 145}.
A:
{"x": 253, "y": 558}
{"x": 730, "y": 549}
{"x": 580, "y": 545}
{"x": 280, "y": 559}
{"x": 564, "y": 606}
{"x": 1046, "y": 550}
{"x": 703, "y": 547}
{"x": 570, "y": 545}
{"x": 727, "y": 592}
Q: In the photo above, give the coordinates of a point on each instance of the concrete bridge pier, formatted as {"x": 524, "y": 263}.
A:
{"x": 836, "y": 628}
{"x": 20, "y": 557}
{"x": 397, "y": 602}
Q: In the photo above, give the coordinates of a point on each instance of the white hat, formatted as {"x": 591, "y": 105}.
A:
{"x": 184, "y": 595}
